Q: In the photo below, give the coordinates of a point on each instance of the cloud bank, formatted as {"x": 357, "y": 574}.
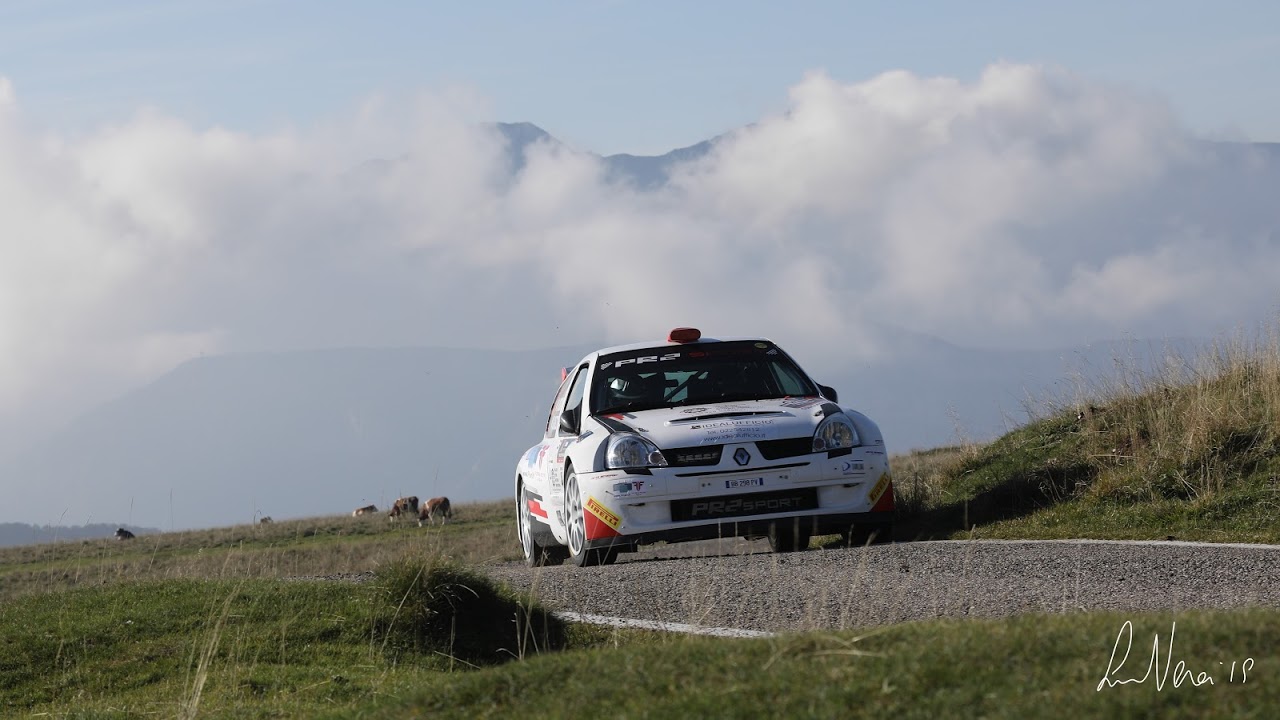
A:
{"x": 1029, "y": 208}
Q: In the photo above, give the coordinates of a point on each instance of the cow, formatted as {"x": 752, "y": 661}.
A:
{"x": 266, "y": 520}
{"x": 122, "y": 534}
{"x": 433, "y": 507}
{"x": 406, "y": 506}
{"x": 366, "y": 510}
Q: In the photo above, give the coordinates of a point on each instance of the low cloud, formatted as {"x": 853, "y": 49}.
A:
{"x": 1030, "y": 208}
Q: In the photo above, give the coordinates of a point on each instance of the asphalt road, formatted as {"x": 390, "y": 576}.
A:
{"x": 740, "y": 584}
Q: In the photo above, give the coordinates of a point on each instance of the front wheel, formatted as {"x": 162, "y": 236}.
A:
{"x": 578, "y": 553}
{"x": 535, "y": 555}
{"x": 873, "y": 534}
{"x": 789, "y": 535}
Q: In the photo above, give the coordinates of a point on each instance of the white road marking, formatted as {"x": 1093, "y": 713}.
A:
{"x": 1087, "y": 541}
{"x": 663, "y": 626}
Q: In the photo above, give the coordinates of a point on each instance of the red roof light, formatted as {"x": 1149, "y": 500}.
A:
{"x": 684, "y": 335}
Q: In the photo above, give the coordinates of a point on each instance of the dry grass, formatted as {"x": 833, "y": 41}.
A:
{"x": 1189, "y": 428}
{"x": 919, "y": 477}
{"x": 1189, "y": 442}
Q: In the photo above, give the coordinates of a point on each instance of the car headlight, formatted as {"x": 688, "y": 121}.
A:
{"x": 627, "y": 450}
{"x": 835, "y": 433}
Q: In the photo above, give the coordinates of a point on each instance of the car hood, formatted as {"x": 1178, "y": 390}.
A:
{"x": 724, "y": 423}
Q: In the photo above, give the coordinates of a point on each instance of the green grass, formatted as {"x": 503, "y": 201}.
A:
{"x": 262, "y": 648}
{"x": 392, "y": 649}
{"x": 1031, "y": 666}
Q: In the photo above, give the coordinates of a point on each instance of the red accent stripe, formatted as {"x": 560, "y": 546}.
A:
{"x": 535, "y": 507}
{"x": 597, "y": 529}
{"x": 885, "y": 503}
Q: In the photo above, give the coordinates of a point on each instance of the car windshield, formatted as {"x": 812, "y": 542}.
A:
{"x": 695, "y": 374}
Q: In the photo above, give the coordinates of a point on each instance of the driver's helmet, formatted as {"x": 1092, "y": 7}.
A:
{"x": 629, "y": 388}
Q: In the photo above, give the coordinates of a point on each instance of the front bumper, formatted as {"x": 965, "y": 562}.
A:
{"x": 749, "y": 528}
{"x": 824, "y": 492}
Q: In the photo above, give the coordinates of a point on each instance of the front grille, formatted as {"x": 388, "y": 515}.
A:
{"x": 789, "y": 447}
{"x": 693, "y": 456}
{"x": 726, "y": 506}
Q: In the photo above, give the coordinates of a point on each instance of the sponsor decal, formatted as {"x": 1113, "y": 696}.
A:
{"x": 535, "y": 508}
{"x": 721, "y": 437}
{"x": 694, "y": 410}
{"x": 584, "y": 436}
{"x": 560, "y": 450}
{"x": 744, "y": 482}
{"x": 748, "y": 505}
{"x": 604, "y": 514}
{"x": 885, "y": 503}
{"x": 800, "y": 402}
{"x": 557, "y": 484}
{"x": 640, "y": 360}
{"x": 531, "y": 457}
{"x": 879, "y": 488}
{"x": 728, "y": 431}
{"x": 634, "y": 487}
{"x": 851, "y": 467}
{"x": 747, "y": 422}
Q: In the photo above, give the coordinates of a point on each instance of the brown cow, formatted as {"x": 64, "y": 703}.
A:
{"x": 433, "y": 507}
{"x": 405, "y": 505}
{"x": 366, "y": 510}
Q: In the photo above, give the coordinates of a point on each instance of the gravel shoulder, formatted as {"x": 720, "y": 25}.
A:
{"x": 740, "y": 584}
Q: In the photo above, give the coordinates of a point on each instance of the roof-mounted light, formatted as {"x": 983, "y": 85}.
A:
{"x": 684, "y": 335}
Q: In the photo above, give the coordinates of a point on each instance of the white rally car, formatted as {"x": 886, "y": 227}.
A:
{"x": 697, "y": 438}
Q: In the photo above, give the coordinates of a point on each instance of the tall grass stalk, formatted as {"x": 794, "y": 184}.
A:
{"x": 191, "y": 704}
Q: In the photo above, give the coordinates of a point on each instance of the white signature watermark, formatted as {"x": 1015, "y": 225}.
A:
{"x": 1238, "y": 671}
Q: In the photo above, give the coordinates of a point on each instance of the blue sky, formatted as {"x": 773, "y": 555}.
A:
{"x": 608, "y": 76}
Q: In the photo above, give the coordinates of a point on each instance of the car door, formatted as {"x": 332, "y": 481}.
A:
{"x": 561, "y": 438}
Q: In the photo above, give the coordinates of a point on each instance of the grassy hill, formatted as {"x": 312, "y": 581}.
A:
{"x": 1189, "y": 450}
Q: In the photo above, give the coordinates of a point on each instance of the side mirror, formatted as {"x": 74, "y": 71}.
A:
{"x": 569, "y": 422}
{"x": 829, "y": 393}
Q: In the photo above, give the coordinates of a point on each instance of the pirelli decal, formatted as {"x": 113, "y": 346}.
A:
{"x": 605, "y": 515}
{"x": 879, "y": 489}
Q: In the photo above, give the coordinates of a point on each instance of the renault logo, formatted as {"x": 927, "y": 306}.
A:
{"x": 741, "y": 456}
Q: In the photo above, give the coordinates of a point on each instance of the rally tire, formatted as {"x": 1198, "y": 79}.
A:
{"x": 579, "y": 554}
{"x": 535, "y": 555}
{"x": 859, "y": 536}
{"x": 788, "y": 536}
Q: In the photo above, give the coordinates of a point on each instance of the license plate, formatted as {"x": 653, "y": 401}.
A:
{"x": 744, "y": 482}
